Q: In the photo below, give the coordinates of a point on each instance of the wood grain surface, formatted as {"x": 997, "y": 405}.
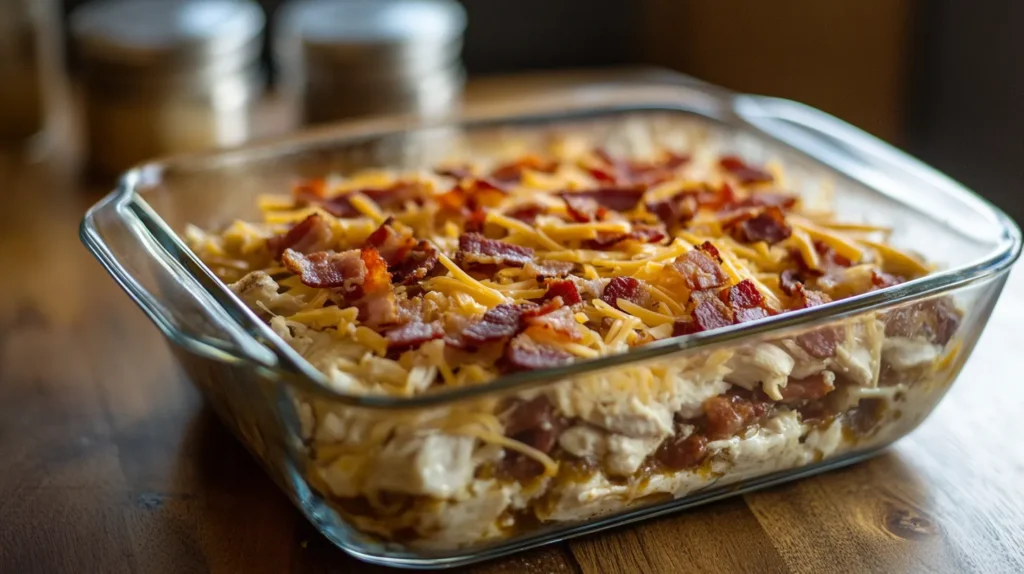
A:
{"x": 110, "y": 463}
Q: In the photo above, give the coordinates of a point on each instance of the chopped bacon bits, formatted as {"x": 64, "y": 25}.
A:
{"x": 526, "y": 213}
{"x": 729, "y": 414}
{"x": 708, "y": 313}
{"x": 565, "y": 289}
{"x": 560, "y": 322}
{"x": 513, "y": 172}
{"x": 711, "y": 250}
{"x": 392, "y": 245}
{"x": 768, "y": 225}
{"x": 498, "y": 323}
{"x": 550, "y": 268}
{"x": 327, "y": 270}
{"x": 699, "y": 270}
{"x": 821, "y": 343}
{"x": 416, "y": 265}
{"x": 377, "y": 277}
{"x": 809, "y": 297}
{"x": 308, "y": 236}
{"x": 744, "y": 172}
{"x": 626, "y": 288}
{"x": 525, "y": 354}
{"x": 682, "y": 452}
{"x": 830, "y": 257}
{"x": 813, "y": 387}
{"x": 747, "y": 302}
{"x": 476, "y": 249}
{"x": 789, "y": 280}
{"x": 639, "y": 233}
{"x": 642, "y": 172}
{"x": 535, "y": 423}
{"x": 767, "y": 199}
{"x": 412, "y": 335}
{"x": 594, "y": 204}
{"x": 936, "y": 321}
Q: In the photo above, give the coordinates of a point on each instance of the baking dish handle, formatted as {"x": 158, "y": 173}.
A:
{"x": 173, "y": 300}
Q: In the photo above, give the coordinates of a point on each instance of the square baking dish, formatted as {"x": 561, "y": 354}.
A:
{"x": 305, "y": 433}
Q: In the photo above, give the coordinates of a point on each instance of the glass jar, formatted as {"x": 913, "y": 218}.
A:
{"x": 161, "y": 77}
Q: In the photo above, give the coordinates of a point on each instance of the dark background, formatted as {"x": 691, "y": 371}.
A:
{"x": 943, "y": 79}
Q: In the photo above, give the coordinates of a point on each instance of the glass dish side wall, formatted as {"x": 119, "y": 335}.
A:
{"x": 314, "y": 448}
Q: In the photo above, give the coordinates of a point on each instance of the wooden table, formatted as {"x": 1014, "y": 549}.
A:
{"x": 109, "y": 462}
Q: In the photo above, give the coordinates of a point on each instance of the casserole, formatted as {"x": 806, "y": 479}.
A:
{"x": 278, "y": 405}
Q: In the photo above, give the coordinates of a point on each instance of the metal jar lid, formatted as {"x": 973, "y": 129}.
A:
{"x": 159, "y": 38}
{"x": 401, "y": 39}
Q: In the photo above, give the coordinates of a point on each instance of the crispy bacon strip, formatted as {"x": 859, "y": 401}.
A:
{"x": 475, "y": 249}
{"x": 627, "y": 288}
{"x": 412, "y": 335}
{"x": 699, "y": 270}
{"x": 744, "y": 172}
{"x": 408, "y": 260}
{"x": 747, "y": 302}
{"x": 328, "y": 270}
{"x": 513, "y": 172}
{"x": 550, "y": 268}
{"x": 641, "y": 233}
{"x": 504, "y": 321}
{"x": 565, "y": 289}
{"x": 764, "y": 224}
{"x": 708, "y": 313}
{"x": 308, "y": 236}
{"x": 594, "y": 204}
{"x": 525, "y": 354}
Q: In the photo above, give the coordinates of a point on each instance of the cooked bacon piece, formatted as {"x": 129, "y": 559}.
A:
{"x": 641, "y": 233}
{"x": 744, "y": 172}
{"x": 503, "y": 322}
{"x": 789, "y": 280}
{"x": 821, "y": 343}
{"x": 811, "y": 388}
{"x": 498, "y": 323}
{"x": 711, "y": 250}
{"x": 397, "y": 195}
{"x": 535, "y": 423}
{"x": 936, "y": 320}
{"x": 412, "y": 335}
{"x": 377, "y": 278}
{"x": 766, "y": 199}
{"x": 708, "y": 313}
{"x": 475, "y": 249}
{"x": 513, "y": 172}
{"x": 766, "y": 224}
{"x": 560, "y": 321}
{"x": 699, "y": 270}
{"x": 408, "y": 261}
{"x": 626, "y": 288}
{"x": 594, "y": 204}
{"x": 379, "y": 308}
{"x": 531, "y": 310}
{"x": 675, "y": 210}
{"x": 307, "y": 236}
{"x": 392, "y": 245}
{"x": 526, "y": 213}
{"x": 525, "y": 354}
{"x": 416, "y": 265}
{"x": 565, "y": 289}
{"x": 328, "y": 270}
{"x": 644, "y": 172}
{"x": 471, "y": 195}
{"x": 729, "y": 414}
{"x": 550, "y": 268}
{"x": 583, "y": 209}
{"x": 829, "y": 257}
{"x": 747, "y": 302}
{"x": 809, "y": 297}
{"x": 679, "y": 452}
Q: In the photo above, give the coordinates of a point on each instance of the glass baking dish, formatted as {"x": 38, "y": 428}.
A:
{"x": 289, "y": 417}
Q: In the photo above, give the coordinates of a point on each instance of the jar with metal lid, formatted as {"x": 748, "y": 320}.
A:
{"x": 160, "y": 77}
{"x": 345, "y": 58}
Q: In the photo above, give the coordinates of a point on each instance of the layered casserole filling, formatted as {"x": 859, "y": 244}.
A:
{"x": 403, "y": 283}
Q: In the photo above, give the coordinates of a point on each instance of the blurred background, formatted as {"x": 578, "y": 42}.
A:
{"x": 942, "y": 79}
